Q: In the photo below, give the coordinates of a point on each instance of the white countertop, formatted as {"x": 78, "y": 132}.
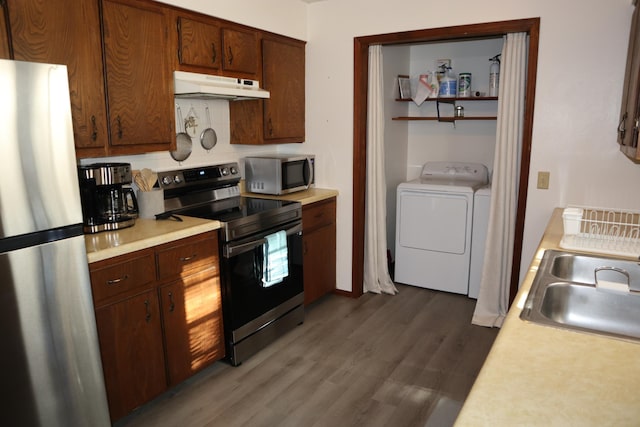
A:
{"x": 150, "y": 232}
{"x": 537, "y": 375}
{"x": 144, "y": 234}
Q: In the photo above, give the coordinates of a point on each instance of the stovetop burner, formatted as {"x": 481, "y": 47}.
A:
{"x": 213, "y": 192}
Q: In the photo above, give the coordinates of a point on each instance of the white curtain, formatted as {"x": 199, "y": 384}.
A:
{"x": 493, "y": 299}
{"x": 376, "y": 274}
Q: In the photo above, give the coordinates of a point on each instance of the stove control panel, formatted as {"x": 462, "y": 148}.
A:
{"x": 216, "y": 176}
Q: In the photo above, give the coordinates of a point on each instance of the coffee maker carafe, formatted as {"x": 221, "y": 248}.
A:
{"x": 106, "y": 203}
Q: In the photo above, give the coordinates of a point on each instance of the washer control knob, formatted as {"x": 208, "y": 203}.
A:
{"x": 234, "y": 171}
{"x": 166, "y": 180}
{"x": 177, "y": 179}
{"x": 225, "y": 171}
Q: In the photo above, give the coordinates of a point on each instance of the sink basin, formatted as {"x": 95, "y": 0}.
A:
{"x": 580, "y": 268}
{"x": 564, "y": 295}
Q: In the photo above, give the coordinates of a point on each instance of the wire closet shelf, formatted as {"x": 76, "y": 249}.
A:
{"x": 601, "y": 230}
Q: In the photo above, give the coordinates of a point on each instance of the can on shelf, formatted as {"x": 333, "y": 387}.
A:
{"x": 464, "y": 85}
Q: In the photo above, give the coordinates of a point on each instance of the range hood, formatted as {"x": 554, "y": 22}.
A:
{"x": 205, "y": 86}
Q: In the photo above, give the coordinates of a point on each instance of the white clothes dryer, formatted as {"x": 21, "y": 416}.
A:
{"x": 434, "y": 216}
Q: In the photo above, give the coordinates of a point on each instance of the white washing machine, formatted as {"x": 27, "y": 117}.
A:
{"x": 434, "y": 216}
{"x": 481, "y": 206}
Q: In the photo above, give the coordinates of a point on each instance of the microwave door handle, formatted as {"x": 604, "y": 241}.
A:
{"x": 232, "y": 249}
{"x": 311, "y": 173}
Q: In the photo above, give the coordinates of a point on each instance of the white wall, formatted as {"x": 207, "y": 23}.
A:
{"x": 467, "y": 141}
{"x": 581, "y": 66}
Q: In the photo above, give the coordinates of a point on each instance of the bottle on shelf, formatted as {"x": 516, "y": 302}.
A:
{"x": 494, "y": 75}
{"x": 448, "y": 83}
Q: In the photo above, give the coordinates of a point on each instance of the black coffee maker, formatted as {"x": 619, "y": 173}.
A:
{"x": 106, "y": 203}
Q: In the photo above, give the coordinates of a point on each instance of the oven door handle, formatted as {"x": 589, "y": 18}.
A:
{"x": 233, "y": 249}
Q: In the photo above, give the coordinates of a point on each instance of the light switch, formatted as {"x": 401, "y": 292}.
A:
{"x": 543, "y": 180}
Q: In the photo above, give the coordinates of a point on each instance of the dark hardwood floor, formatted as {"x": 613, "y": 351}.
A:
{"x": 380, "y": 360}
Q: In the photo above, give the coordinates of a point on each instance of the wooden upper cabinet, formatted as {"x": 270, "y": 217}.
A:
{"x": 630, "y": 109}
{"x": 281, "y": 118}
{"x": 5, "y": 49}
{"x": 283, "y": 75}
{"x": 138, "y": 76}
{"x": 67, "y": 32}
{"x": 240, "y": 51}
{"x": 199, "y": 43}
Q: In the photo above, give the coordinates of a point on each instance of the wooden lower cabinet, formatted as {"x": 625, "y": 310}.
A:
{"x": 159, "y": 318}
{"x": 132, "y": 355}
{"x": 319, "y": 253}
{"x": 192, "y": 329}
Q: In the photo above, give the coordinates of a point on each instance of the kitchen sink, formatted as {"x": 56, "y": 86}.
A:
{"x": 586, "y": 293}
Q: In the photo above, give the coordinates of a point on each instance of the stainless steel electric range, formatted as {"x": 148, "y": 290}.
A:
{"x": 256, "y": 311}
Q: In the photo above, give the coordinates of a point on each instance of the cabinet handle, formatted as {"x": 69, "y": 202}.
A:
{"x": 270, "y": 127}
{"x": 214, "y": 54}
{"x": 118, "y": 280}
{"x": 188, "y": 258}
{"x": 305, "y": 250}
{"x": 148, "y": 309}
{"x": 622, "y": 128}
{"x": 94, "y": 134}
{"x": 119, "y": 127}
{"x": 172, "y": 305}
{"x": 230, "y": 56}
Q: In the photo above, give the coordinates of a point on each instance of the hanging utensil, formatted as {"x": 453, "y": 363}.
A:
{"x": 183, "y": 142}
{"x": 208, "y": 137}
{"x": 191, "y": 122}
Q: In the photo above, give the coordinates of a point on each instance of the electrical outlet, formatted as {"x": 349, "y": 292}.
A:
{"x": 543, "y": 180}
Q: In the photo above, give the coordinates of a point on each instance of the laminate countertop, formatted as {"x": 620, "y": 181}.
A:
{"x": 537, "y": 375}
{"x": 150, "y": 232}
{"x": 144, "y": 234}
{"x": 306, "y": 197}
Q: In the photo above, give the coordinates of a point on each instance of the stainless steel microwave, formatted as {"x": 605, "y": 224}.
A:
{"x": 279, "y": 174}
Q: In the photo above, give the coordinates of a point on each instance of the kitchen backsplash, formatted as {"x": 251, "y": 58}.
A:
{"x": 222, "y": 152}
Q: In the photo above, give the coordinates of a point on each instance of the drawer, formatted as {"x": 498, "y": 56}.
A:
{"x": 176, "y": 259}
{"x": 318, "y": 214}
{"x": 123, "y": 277}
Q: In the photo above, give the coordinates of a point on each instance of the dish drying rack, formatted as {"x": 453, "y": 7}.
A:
{"x": 607, "y": 231}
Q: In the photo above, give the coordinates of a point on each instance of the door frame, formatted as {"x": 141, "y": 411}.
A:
{"x": 531, "y": 26}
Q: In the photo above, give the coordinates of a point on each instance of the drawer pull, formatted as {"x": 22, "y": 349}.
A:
{"x": 118, "y": 280}
{"x": 148, "y": 309}
{"x": 188, "y": 258}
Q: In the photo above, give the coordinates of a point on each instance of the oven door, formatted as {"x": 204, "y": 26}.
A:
{"x": 249, "y": 303}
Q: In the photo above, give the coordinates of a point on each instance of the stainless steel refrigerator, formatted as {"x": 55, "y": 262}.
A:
{"x": 50, "y": 368}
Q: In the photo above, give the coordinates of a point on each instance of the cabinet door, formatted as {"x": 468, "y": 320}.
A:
{"x": 630, "y": 110}
{"x": 283, "y": 76}
{"x": 192, "y": 314}
{"x": 130, "y": 335}
{"x": 319, "y": 242}
{"x": 67, "y": 32}
{"x": 139, "y": 78}
{"x": 199, "y": 43}
{"x": 240, "y": 50}
{"x": 5, "y": 50}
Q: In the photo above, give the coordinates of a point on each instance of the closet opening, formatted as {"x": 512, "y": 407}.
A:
{"x": 445, "y": 34}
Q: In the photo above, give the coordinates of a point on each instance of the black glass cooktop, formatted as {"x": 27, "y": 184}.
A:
{"x": 242, "y": 215}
